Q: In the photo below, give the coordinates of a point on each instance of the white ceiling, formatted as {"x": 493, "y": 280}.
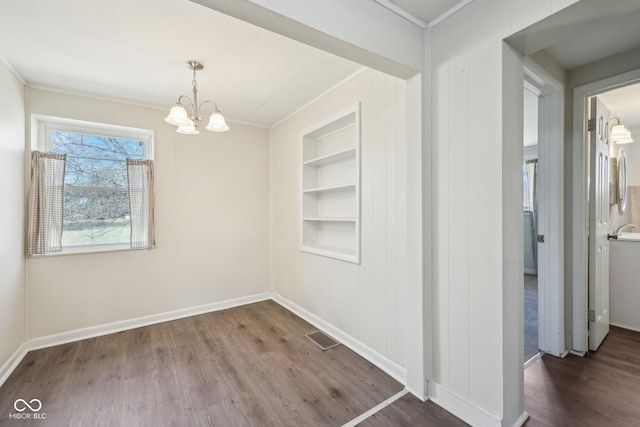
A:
{"x": 254, "y": 76}
{"x": 136, "y": 50}
{"x": 624, "y": 103}
{"x": 426, "y": 10}
{"x": 607, "y": 36}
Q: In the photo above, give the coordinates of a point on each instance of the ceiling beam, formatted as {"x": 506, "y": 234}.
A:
{"x": 358, "y": 30}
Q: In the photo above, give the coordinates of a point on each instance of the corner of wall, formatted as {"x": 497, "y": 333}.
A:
{"x": 428, "y": 181}
{"x": 270, "y": 168}
{"x": 512, "y": 249}
{"x": 12, "y": 212}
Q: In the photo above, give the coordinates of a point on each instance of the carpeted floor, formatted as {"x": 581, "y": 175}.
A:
{"x": 530, "y": 316}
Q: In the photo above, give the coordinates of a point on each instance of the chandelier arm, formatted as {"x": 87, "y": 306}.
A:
{"x": 188, "y": 105}
{"x": 215, "y": 106}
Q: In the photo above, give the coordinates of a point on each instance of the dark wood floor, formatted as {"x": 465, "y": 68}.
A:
{"x": 600, "y": 389}
{"x": 411, "y": 412}
{"x": 247, "y": 366}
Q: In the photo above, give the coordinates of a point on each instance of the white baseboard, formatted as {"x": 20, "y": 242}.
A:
{"x": 521, "y": 419}
{"x": 13, "y": 362}
{"x": 394, "y": 370}
{"x": 123, "y": 325}
{"x": 462, "y": 408}
{"x": 531, "y": 361}
{"x": 423, "y": 396}
{"x": 625, "y": 327}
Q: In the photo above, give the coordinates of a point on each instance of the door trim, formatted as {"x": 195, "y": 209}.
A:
{"x": 580, "y": 225}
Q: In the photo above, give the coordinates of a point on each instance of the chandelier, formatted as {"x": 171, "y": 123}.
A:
{"x": 185, "y": 113}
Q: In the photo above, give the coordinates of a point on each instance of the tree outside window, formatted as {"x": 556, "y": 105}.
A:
{"x": 96, "y": 202}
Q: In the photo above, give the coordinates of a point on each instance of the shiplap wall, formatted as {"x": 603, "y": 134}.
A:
{"x": 366, "y": 301}
{"x": 12, "y": 211}
{"x": 474, "y": 340}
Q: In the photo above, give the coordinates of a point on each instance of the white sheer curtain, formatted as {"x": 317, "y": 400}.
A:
{"x": 530, "y": 203}
{"x": 530, "y": 180}
{"x": 141, "y": 203}
{"x": 46, "y": 203}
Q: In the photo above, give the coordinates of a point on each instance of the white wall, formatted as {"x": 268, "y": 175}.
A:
{"x": 12, "y": 212}
{"x": 366, "y": 301}
{"x": 633, "y": 159}
{"x": 530, "y": 119}
{"x": 624, "y": 292}
{"x": 477, "y": 155}
{"x": 219, "y": 181}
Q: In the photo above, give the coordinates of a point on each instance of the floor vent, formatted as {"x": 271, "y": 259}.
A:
{"x": 322, "y": 340}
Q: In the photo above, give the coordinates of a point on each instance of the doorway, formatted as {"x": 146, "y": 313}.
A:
{"x": 590, "y": 300}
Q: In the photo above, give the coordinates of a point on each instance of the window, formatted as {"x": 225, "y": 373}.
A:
{"x": 96, "y": 200}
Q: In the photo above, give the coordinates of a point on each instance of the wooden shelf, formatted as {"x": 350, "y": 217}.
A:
{"x": 329, "y": 219}
{"x": 338, "y": 252}
{"x": 330, "y": 187}
{"x": 331, "y": 158}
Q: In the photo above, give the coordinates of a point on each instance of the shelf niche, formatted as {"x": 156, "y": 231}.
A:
{"x": 330, "y": 188}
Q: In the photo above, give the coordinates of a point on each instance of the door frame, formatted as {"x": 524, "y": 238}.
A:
{"x": 550, "y": 207}
{"x": 580, "y": 206}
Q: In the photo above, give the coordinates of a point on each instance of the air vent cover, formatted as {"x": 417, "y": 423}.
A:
{"x": 322, "y": 340}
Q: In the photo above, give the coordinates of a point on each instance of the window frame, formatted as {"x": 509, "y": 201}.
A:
{"x": 42, "y": 128}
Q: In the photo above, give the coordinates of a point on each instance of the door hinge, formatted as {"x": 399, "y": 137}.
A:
{"x": 592, "y": 315}
{"x": 591, "y": 125}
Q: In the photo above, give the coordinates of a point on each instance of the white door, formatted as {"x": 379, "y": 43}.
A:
{"x": 598, "y": 224}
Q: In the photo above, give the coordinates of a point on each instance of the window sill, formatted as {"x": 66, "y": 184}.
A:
{"x": 93, "y": 249}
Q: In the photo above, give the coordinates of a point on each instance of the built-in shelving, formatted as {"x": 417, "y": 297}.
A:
{"x": 330, "y": 188}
